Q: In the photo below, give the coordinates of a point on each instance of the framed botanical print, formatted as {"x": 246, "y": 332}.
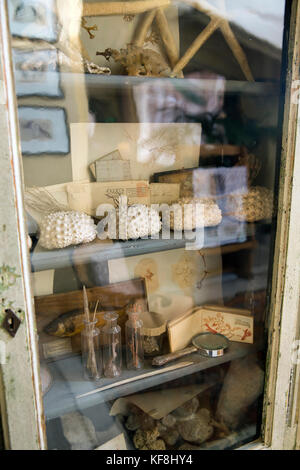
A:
{"x": 44, "y": 130}
{"x": 37, "y": 73}
{"x": 33, "y": 19}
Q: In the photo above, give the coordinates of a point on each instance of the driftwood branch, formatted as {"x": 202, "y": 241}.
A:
{"x": 195, "y": 46}
{"x": 167, "y": 37}
{"x": 143, "y": 28}
{"x": 238, "y": 52}
{"x": 219, "y": 19}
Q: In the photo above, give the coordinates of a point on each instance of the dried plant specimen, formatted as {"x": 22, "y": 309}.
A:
{"x": 184, "y": 273}
{"x": 138, "y": 61}
{"x": 147, "y": 268}
{"x": 89, "y": 29}
{"x": 128, "y": 18}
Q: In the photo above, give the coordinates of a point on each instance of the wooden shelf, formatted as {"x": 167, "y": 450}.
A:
{"x": 68, "y": 382}
{"x": 96, "y": 83}
{"x": 229, "y": 232}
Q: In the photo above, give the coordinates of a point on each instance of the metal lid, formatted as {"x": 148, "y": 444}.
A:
{"x": 211, "y": 344}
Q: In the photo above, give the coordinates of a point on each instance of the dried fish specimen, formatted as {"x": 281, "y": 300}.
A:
{"x": 70, "y": 324}
{"x": 64, "y": 228}
{"x": 139, "y": 62}
{"x": 252, "y": 205}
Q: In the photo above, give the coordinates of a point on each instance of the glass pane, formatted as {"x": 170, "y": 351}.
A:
{"x": 150, "y": 137}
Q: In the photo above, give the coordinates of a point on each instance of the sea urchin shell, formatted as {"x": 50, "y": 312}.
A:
{"x": 61, "y": 229}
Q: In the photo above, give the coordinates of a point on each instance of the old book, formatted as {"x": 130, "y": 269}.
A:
{"x": 58, "y": 315}
{"x": 235, "y": 324}
{"x": 86, "y": 197}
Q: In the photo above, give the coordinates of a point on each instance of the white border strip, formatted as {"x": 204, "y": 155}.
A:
{"x": 18, "y": 183}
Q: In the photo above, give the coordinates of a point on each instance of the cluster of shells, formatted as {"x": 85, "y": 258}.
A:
{"x": 137, "y": 222}
{"x": 63, "y": 228}
{"x": 186, "y": 217}
{"x": 187, "y": 425}
{"x": 252, "y": 205}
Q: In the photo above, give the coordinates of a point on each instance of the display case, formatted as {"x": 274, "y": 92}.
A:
{"x": 150, "y": 252}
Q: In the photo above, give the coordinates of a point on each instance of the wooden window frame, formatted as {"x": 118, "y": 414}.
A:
{"x": 21, "y": 404}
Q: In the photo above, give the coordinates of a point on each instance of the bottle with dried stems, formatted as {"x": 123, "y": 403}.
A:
{"x": 112, "y": 348}
{"x": 91, "y": 351}
{"x": 134, "y": 340}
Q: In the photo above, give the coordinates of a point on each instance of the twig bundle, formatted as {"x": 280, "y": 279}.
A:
{"x": 91, "y": 363}
{"x": 41, "y": 200}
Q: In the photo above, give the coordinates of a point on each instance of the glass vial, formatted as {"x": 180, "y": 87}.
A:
{"x": 112, "y": 348}
{"x": 91, "y": 351}
{"x": 134, "y": 341}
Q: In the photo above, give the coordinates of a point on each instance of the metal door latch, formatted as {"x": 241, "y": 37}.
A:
{"x": 11, "y": 322}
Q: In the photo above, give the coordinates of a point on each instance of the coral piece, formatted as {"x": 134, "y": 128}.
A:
{"x": 169, "y": 421}
{"x": 133, "y": 422}
{"x": 144, "y": 440}
{"x": 89, "y": 29}
{"x": 90, "y": 67}
{"x": 157, "y": 445}
{"x": 186, "y": 217}
{"x": 187, "y": 446}
{"x": 138, "y": 222}
{"x": 187, "y": 410}
{"x": 198, "y": 429}
{"x": 138, "y": 61}
{"x": 150, "y": 345}
{"x": 137, "y": 419}
{"x": 170, "y": 437}
{"x": 61, "y": 229}
{"x": 252, "y": 205}
{"x": 242, "y": 385}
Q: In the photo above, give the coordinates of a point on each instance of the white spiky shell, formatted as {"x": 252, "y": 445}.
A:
{"x": 212, "y": 214}
{"x": 254, "y": 204}
{"x": 139, "y": 221}
{"x": 64, "y": 228}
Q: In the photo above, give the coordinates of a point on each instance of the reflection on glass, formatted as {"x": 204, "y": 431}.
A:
{"x": 177, "y": 111}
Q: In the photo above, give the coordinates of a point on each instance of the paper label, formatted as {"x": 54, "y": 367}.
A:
{"x": 117, "y": 443}
{"x": 161, "y": 193}
{"x": 86, "y": 197}
{"x": 57, "y": 348}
